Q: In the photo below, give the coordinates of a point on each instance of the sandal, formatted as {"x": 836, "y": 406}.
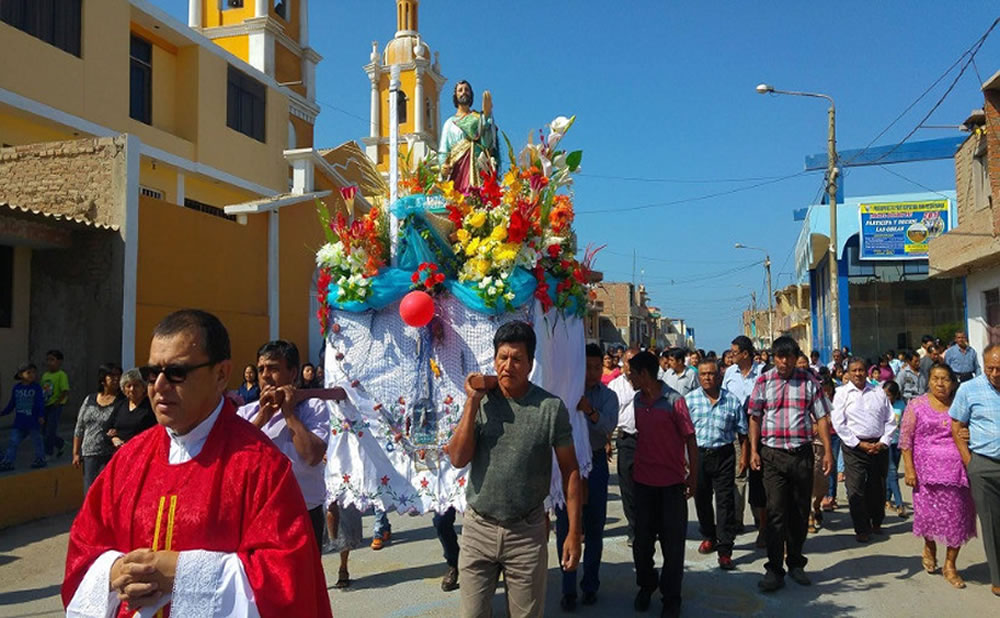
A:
{"x": 377, "y": 543}
{"x": 343, "y": 579}
{"x": 929, "y": 561}
{"x": 952, "y": 577}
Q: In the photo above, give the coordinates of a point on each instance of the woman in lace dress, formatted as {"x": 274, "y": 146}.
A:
{"x": 943, "y": 510}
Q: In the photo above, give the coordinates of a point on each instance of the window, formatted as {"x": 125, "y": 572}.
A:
{"x": 281, "y": 8}
{"x": 6, "y": 285}
{"x": 215, "y": 211}
{"x": 140, "y": 96}
{"x": 245, "y": 105}
{"x": 156, "y": 194}
{"x": 57, "y": 22}
{"x": 400, "y": 106}
{"x": 232, "y": 4}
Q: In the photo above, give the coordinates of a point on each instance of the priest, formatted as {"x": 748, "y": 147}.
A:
{"x": 199, "y": 515}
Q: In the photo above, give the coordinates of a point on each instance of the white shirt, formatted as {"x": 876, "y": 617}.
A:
{"x": 739, "y": 385}
{"x": 683, "y": 382}
{"x": 626, "y": 403}
{"x": 316, "y": 417}
{"x": 862, "y": 414}
{"x": 205, "y": 580}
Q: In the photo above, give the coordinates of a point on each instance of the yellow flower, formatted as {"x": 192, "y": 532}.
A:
{"x": 499, "y": 233}
{"x": 463, "y": 235}
{"x": 448, "y": 188}
{"x": 482, "y": 266}
{"x": 477, "y": 219}
{"x": 509, "y": 178}
{"x": 470, "y": 249}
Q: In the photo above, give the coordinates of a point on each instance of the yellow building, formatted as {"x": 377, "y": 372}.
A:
{"x": 420, "y": 86}
{"x": 148, "y": 165}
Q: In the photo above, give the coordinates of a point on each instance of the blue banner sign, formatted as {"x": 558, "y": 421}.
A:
{"x": 901, "y": 230}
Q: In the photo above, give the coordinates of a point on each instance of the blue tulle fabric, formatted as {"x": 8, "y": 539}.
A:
{"x": 419, "y": 242}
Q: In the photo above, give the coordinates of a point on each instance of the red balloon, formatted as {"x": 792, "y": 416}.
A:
{"x": 417, "y": 308}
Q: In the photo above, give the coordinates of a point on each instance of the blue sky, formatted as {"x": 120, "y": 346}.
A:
{"x": 664, "y": 92}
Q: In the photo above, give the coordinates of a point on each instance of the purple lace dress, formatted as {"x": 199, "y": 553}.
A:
{"x": 942, "y": 502}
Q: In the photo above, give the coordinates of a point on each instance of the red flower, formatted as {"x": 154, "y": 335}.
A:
{"x": 402, "y": 401}
{"x": 347, "y": 478}
{"x": 461, "y": 482}
{"x": 448, "y": 400}
{"x": 490, "y": 192}
{"x": 424, "y": 482}
{"x": 415, "y": 277}
{"x": 438, "y": 278}
{"x": 455, "y": 215}
{"x": 361, "y": 434}
{"x": 554, "y": 250}
{"x": 385, "y": 480}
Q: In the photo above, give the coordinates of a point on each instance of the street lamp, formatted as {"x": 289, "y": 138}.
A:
{"x": 770, "y": 296}
{"x": 831, "y": 187}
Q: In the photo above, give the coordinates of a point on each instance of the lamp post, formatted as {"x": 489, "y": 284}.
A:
{"x": 770, "y": 296}
{"x": 831, "y": 188}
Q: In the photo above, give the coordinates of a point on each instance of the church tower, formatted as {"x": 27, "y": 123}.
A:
{"x": 273, "y": 37}
{"x": 420, "y": 89}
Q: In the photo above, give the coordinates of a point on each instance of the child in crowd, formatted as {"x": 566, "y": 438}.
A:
{"x": 28, "y": 405}
{"x": 893, "y": 497}
{"x": 55, "y": 389}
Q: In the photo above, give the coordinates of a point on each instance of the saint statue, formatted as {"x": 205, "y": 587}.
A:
{"x": 468, "y": 140}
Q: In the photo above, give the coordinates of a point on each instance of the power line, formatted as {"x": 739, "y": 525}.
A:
{"x": 667, "y": 260}
{"x": 693, "y": 181}
{"x": 696, "y": 199}
{"x": 913, "y": 182}
{"x": 971, "y": 52}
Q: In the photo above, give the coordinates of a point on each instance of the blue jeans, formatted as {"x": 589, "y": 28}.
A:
{"x": 381, "y": 524}
{"x": 838, "y": 461}
{"x": 53, "y": 442}
{"x": 19, "y": 435}
{"x": 594, "y": 516}
{"x": 445, "y": 527}
{"x": 892, "y": 480}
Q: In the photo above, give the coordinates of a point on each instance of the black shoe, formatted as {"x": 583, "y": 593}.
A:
{"x": 38, "y": 463}
{"x": 670, "y": 611}
{"x": 450, "y": 580}
{"x": 642, "y": 599}
{"x": 799, "y": 576}
{"x": 771, "y": 582}
{"x": 589, "y": 598}
{"x": 568, "y": 602}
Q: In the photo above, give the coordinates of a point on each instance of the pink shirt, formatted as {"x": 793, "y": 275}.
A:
{"x": 663, "y": 428}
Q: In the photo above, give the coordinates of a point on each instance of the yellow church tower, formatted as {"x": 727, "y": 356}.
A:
{"x": 273, "y": 37}
{"x": 420, "y": 88}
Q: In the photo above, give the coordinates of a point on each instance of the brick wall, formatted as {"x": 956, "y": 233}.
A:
{"x": 79, "y": 178}
{"x": 964, "y": 188}
{"x": 992, "y": 109}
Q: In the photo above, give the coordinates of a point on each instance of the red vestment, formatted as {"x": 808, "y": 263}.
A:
{"x": 238, "y": 495}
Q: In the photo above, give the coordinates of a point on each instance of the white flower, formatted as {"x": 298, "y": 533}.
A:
{"x": 492, "y": 291}
{"x": 330, "y": 255}
{"x": 509, "y": 296}
{"x": 561, "y": 124}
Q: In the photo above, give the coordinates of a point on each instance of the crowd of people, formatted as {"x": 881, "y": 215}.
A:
{"x": 774, "y": 429}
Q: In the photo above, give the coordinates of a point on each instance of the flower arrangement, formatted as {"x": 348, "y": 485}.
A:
{"x": 427, "y": 278}
{"x": 352, "y": 255}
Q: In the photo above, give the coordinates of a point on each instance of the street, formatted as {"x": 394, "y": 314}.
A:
{"x": 879, "y": 579}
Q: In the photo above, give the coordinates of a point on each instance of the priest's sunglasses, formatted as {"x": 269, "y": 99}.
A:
{"x": 175, "y": 374}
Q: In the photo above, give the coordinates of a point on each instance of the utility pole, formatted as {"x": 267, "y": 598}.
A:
{"x": 770, "y": 300}
{"x": 831, "y": 187}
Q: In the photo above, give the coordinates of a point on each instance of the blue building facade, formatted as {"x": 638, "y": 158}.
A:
{"x": 885, "y": 303}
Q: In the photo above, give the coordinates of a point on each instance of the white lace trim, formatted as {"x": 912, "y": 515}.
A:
{"x": 93, "y": 597}
{"x": 211, "y": 584}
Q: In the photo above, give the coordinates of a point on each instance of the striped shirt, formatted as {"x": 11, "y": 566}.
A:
{"x": 716, "y": 424}
{"x": 787, "y": 408}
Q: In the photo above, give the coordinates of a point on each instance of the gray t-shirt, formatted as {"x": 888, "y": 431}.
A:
{"x": 511, "y": 467}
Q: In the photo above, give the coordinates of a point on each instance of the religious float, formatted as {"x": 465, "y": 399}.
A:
{"x": 411, "y": 295}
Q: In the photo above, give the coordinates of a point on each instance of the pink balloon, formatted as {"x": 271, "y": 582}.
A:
{"x": 417, "y": 308}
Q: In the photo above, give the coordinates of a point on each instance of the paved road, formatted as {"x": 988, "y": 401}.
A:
{"x": 881, "y": 579}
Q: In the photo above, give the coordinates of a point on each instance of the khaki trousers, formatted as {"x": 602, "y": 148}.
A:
{"x": 517, "y": 549}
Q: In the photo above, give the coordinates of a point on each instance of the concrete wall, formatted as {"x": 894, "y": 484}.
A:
{"x": 976, "y": 284}
{"x": 76, "y": 306}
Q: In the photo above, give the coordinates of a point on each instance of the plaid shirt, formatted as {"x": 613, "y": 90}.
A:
{"x": 716, "y": 425}
{"x": 787, "y": 408}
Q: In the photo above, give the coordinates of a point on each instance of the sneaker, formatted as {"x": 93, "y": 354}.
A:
{"x": 707, "y": 546}
{"x": 726, "y": 563}
{"x": 642, "y": 599}
{"x": 799, "y": 576}
{"x": 589, "y": 598}
{"x": 568, "y": 602}
{"x": 38, "y": 463}
{"x": 771, "y": 582}
{"x": 377, "y": 544}
{"x": 450, "y": 580}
